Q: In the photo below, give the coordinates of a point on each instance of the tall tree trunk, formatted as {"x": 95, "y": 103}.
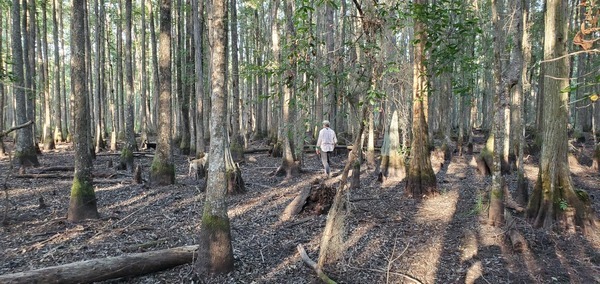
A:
{"x": 522, "y": 193}
{"x": 45, "y": 82}
{"x": 2, "y": 92}
{"x": 554, "y": 198}
{"x": 162, "y": 171}
{"x": 496, "y": 210}
{"x": 58, "y": 130}
{"x": 420, "y": 177}
{"x": 198, "y": 11}
{"x": 215, "y": 255}
{"x": 29, "y": 26}
{"x": 83, "y": 198}
{"x": 184, "y": 96}
{"x": 144, "y": 87}
{"x": 130, "y": 144}
{"x": 65, "y": 110}
{"x": 288, "y": 166}
{"x": 99, "y": 132}
{"x": 155, "y": 72}
{"x": 237, "y": 141}
{"x": 25, "y": 151}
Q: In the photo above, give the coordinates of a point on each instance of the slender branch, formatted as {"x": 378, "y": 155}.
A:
{"x": 16, "y": 128}
{"x": 571, "y": 54}
{"x": 312, "y": 264}
{"x": 360, "y": 11}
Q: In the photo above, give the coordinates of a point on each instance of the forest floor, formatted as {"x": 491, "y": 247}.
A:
{"x": 391, "y": 238}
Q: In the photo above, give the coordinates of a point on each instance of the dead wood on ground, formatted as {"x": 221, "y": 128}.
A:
{"x": 101, "y": 269}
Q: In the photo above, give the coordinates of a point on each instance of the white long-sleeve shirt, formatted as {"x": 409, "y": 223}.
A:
{"x": 327, "y": 139}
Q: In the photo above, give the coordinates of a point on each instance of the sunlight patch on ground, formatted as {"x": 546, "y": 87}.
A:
{"x": 269, "y": 199}
{"x": 440, "y": 208}
{"x": 434, "y": 214}
{"x": 143, "y": 199}
{"x": 109, "y": 188}
{"x": 474, "y": 272}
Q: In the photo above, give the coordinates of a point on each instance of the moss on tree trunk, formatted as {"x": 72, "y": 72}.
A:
{"x": 215, "y": 255}
{"x": 162, "y": 173}
{"x": 27, "y": 157}
{"x": 83, "y": 201}
{"x": 126, "y": 159}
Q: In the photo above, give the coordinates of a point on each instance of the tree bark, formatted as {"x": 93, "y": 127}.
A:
{"x": 144, "y": 83}
{"x": 155, "y": 71}
{"x": 83, "y": 198}
{"x": 182, "y": 90}
{"x": 496, "y": 210}
{"x": 48, "y": 140}
{"x": 126, "y": 161}
{"x": 237, "y": 141}
{"x": 162, "y": 171}
{"x": 216, "y": 252}
{"x": 25, "y": 153}
{"x": 421, "y": 180}
{"x": 58, "y": 130}
{"x": 99, "y": 34}
{"x": 554, "y": 201}
{"x": 198, "y": 11}
{"x": 392, "y": 161}
{"x": 288, "y": 167}
{"x": 101, "y": 269}
{"x": 2, "y": 91}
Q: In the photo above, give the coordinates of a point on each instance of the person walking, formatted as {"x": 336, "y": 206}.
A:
{"x": 325, "y": 145}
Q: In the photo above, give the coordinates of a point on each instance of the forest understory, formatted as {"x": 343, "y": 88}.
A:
{"x": 391, "y": 238}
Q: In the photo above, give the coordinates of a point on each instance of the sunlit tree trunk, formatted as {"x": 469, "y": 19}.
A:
{"x": 83, "y": 199}
{"x": 197, "y": 15}
{"x": 162, "y": 171}
{"x": 554, "y": 198}
{"x": 120, "y": 86}
{"x": 215, "y": 255}
{"x": 48, "y": 140}
{"x": 130, "y": 144}
{"x": 144, "y": 87}
{"x": 288, "y": 164}
{"x": 25, "y": 153}
{"x": 421, "y": 180}
{"x": 237, "y": 141}
{"x": 155, "y": 72}
{"x": 58, "y": 130}
{"x": 184, "y": 95}
{"x": 99, "y": 35}
{"x": 496, "y": 210}
{"x": 2, "y": 91}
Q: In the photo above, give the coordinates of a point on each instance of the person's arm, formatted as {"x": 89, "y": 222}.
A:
{"x": 319, "y": 141}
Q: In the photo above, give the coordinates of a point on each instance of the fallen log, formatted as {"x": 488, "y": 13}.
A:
{"x": 518, "y": 242}
{"x": 101, "y": 269}
{"x": 256, "y": 150}
{"x": 296, "y": 205}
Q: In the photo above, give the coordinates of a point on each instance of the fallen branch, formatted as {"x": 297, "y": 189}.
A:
{"x": 518, "y": 242}
{"x": 15, "y": 128}
{"x": 296, "y": 205}
{"x": 101, "y": 269}
{"x": 312, "y": 265}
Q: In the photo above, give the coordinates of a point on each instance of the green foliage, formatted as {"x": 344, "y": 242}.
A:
{"x": 563, "y": 204}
